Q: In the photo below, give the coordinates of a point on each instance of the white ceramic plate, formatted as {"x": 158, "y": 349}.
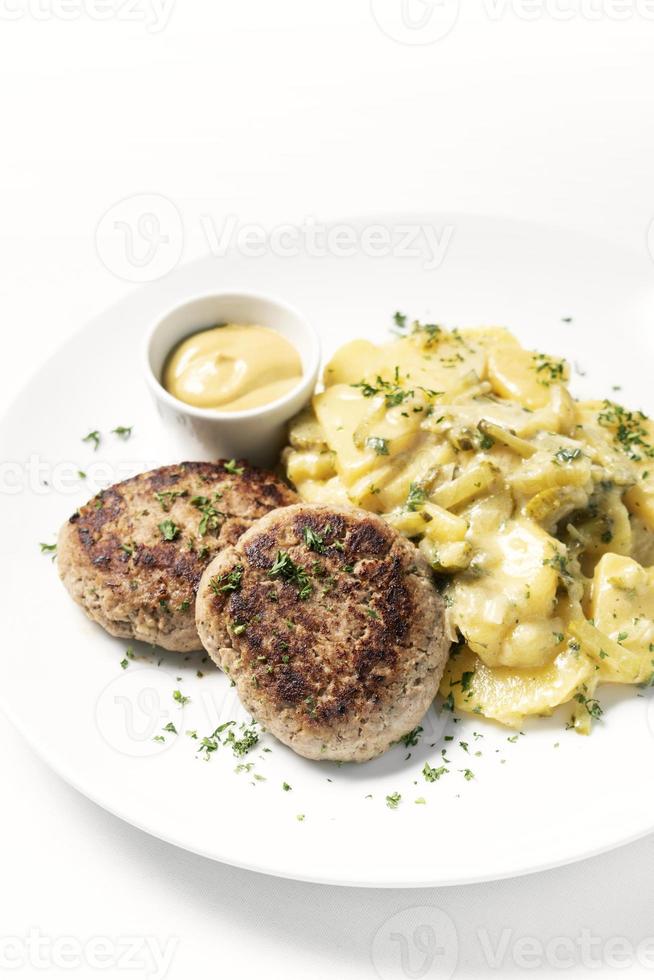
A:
{"x": 548, "y": 798}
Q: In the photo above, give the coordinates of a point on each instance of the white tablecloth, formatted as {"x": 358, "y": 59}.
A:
{"x": 274, "y": 113}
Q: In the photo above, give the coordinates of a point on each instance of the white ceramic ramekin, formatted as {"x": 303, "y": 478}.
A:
{"x": 256, "y": 434}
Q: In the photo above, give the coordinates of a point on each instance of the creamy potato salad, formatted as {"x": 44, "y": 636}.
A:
{"x": 536, "y": 511}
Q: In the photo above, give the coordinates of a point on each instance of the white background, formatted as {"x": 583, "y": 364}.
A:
{"x": 273, "y": 112}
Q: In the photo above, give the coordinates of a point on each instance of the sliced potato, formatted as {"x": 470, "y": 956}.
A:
{"x": 524, "y": 376}
{"x": 324, "y": 492}
{"x": 442, "y": 525}
{"x": 475, "y": 449}
{"x": 640, "y": 502}
{"x": 552, "y": 469}
{"x": 622, "y": 610}
{"x": 507, "y": 694}
{"x": 615, "y": 663}
{"x": 305, "y": 431}
{"x": 352, "y": 363}
{"x": 310, "y": 465}
{"x": 340, "y": 410}
{"x": 489, "y": 337}
{"x": 409, "y": 523}
{"x": 474, "y": 482}
{"x": 499, "y": 611}
{"x": 446, "y": 556}
{"x": 608, "y": 530}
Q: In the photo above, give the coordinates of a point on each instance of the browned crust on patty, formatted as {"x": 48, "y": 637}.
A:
{"x": 116, "y": 561}
{"x": 340, "y": 651}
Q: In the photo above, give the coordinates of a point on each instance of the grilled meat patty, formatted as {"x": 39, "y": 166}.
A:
{"x": 329, "y": 624}
{"x": 134, "y": 555}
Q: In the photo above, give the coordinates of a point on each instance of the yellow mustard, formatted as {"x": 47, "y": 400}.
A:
{"x": 232, "y": 368}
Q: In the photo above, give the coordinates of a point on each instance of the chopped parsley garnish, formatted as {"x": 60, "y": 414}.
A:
{"x": 284, "y": 567}
{"x": 48, "y": 549}
{"x": 211, "y": 517}
{"x": 180, "y": 698}
{"x": 467, "y": 774}
{"x": 228, "y": 582}
{"x": 169, "y": 530}
{"x": 550, "y": 371}
{"x": 379, "y": 445}
{"x": 170, "y": 728}
{"x": 238, "y": 628}
{"x": 629, "y": 433}
{"x": 231, "y": 467}
{"x": 432, "y": 774}
{"x": 393, "y": 800}
{"x": 591, "y": 705}
{"x": 431, "y": 330}
{"x": 412, "y": 738}
{"x": 313, "y": 540}
{"x": 167, "y": 497}
{"x": 286, "y": 787}
{"x": 417, "y": 497}
{"x": 123, "y": 431}
{"x": 393, "y": 392}
{"x": 93, "y": 437}
{"x": 241, "y": 746}
{"x": 559, "y": 562}
{"x": 244, "y": 767}
{"x": 124, "y": 663}
{"x": 210, "y": 743}
{"x": 448, "y": 703}
{"x": 466, "y": 679}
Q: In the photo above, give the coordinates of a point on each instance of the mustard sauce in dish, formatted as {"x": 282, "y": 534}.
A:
{"x": 232, "y": 368}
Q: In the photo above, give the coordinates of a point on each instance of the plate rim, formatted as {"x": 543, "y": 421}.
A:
{"x": 57, "y": 763}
